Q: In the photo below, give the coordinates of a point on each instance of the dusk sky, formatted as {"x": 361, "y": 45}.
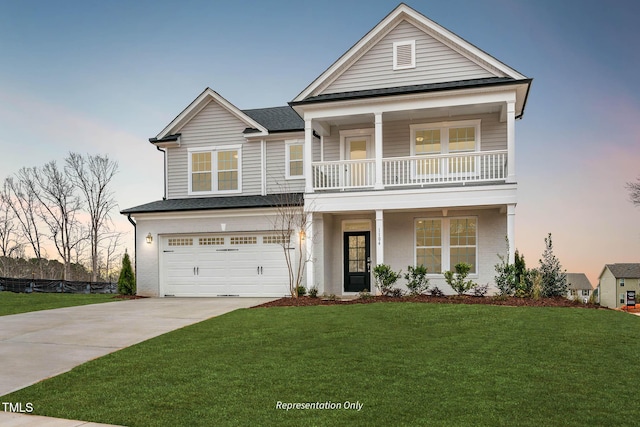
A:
{"x": 98, "y": 77}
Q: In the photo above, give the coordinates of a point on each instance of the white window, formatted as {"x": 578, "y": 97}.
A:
{"x": 294, "y": 164}
{"x": 404, "y": 55}
{"x": 454, "y": 138}
{"x": 585, "y": 292}
{"x": 215, "y": 170}
{"x": 441, "y": 243}
{"x": 621, "y": 282}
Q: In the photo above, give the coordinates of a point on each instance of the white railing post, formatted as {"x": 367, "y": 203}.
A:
{"x": 378, "y": 152}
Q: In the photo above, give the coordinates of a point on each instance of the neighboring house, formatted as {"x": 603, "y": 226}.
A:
{"x": 616, "y": 281}
{"x": 579, "y": 286}
{"x": 402, "y": 152}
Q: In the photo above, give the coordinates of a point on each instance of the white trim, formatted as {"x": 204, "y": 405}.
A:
{"x": 404, "y": 12}
{"x": 435, "y": 198}
{"x": 263, "y": 167}
{"x": 198, "y": 104}
{"x": 348, "y": 133}
{"x": 287, "y": 158}
{"x": 445, "y": 246}
{"x": 214, "y": 150}
{"x": 342, "y": 231}
{"x": 396, "y": 45}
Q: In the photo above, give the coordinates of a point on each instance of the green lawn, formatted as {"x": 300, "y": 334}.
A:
{"x": 407, "y": 364}
{"x": 14, "y": 303}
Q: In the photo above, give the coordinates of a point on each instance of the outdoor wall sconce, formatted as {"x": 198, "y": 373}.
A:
{"x": 149, "y": 238}
{"x": 302, "y": 235}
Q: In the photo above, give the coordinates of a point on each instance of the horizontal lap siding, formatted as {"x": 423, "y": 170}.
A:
{"x": 275, "y": 170}
{"x": 435, "y": 62}
{"x": 212, "y": 126}
{"x": 397, "y": 135}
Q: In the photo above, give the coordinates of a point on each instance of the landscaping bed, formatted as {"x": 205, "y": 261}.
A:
{"x": 453, "y": 299}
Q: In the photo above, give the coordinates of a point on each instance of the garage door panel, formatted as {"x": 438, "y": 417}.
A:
{"x": 223, "y": 264}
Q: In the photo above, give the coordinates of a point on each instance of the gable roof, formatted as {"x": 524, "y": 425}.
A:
{"x": 578, "y": 281}
{"x": 624, "y": 270}
{"x": 401, "y": 90}
{"x": 207, "y": 96}
{"x": 399, "y": 14}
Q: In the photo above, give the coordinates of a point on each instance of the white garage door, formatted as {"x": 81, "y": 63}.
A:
{"x": 249, "y": 265}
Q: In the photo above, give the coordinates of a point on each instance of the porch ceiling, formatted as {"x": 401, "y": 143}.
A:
{"x": 417, "y": 115}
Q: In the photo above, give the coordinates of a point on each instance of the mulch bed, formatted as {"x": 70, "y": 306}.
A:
{"x": 465, "y": 299}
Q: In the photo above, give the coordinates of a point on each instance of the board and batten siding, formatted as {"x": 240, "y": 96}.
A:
{"x": 212, "y": 126}
{"x": 435, "y": 63}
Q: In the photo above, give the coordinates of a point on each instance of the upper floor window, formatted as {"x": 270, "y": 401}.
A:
{"x": 404, "y": 55}
{"x": 445, "y": 137}
{"x": 214, "y": 170}
{"x": 294, "y": 164}
{"x": 455, "y": 138}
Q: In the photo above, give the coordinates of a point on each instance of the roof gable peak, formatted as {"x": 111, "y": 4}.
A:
{"x": 405, "y": 13}
{"x": 208, "y": 95}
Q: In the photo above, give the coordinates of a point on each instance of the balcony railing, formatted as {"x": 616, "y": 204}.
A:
{"x": 450, "y": 168}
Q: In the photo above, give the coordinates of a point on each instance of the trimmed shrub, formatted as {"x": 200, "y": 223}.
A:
{"x": 385, "y": 279}
{"x": 301, "y": 291}
{"x": 417, "y": 281}
{"x": 313, "y": 292}
{"x": 457, "y": 280}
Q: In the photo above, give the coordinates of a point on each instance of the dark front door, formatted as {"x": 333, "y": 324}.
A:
{"x": 357, "y": 261}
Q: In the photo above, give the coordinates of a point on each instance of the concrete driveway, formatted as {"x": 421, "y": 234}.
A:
{"x": 38, "y": 345}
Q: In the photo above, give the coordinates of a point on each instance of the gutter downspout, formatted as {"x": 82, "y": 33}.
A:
{"x": 135, "y": 247}
{"x": 164, "y": 153}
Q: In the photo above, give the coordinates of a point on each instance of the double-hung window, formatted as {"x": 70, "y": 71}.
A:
{"x": 447, "y": 148}
{"x": 294, "y": 164}
{"x": 441, "y": 243}
{"x": 214, "y": 170}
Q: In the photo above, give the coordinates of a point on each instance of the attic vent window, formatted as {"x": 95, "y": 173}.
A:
{"x": 404, "y": 55}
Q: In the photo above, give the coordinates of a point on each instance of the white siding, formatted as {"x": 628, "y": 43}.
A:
{"x": 435, "y": 62}
{"x": 214, "y": 125}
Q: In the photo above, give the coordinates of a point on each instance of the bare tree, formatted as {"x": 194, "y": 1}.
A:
{"x": 10, "y": 244}
{"x": 20, "y": 193}
{"x": 112, "y": 255}
{"x": 292, "y": 222}
{"x": 59, "y": 205}
{"x": 634, "y": 191}
{"x": 93, "y": 176}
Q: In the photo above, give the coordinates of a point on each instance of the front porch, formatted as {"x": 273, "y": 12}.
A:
{"x": 345, "y": 247}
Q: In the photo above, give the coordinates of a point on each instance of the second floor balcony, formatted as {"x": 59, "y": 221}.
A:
{"x": 411, "y": 171}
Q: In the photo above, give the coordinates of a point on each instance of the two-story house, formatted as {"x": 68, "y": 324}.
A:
{"x": 402, "y": 152}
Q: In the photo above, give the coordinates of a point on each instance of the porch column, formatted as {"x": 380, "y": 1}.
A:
{"x": 511, "y": 232}
{"x": 379, "y": 241}
{"x": 511, "y": 141}
{"x": 379, "y": 237}
{"x": 309, "y": 259}
{"x": 308, "y": 156}
{"x": 378, "y": 144}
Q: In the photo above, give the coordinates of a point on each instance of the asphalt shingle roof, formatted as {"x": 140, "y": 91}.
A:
{"x": 625, "y": 271}
{"x": 430, "y": 87}
{"x": 213, "y": 203}
{"x": 578, "y": 281}
{"x": 277, "y": 119}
